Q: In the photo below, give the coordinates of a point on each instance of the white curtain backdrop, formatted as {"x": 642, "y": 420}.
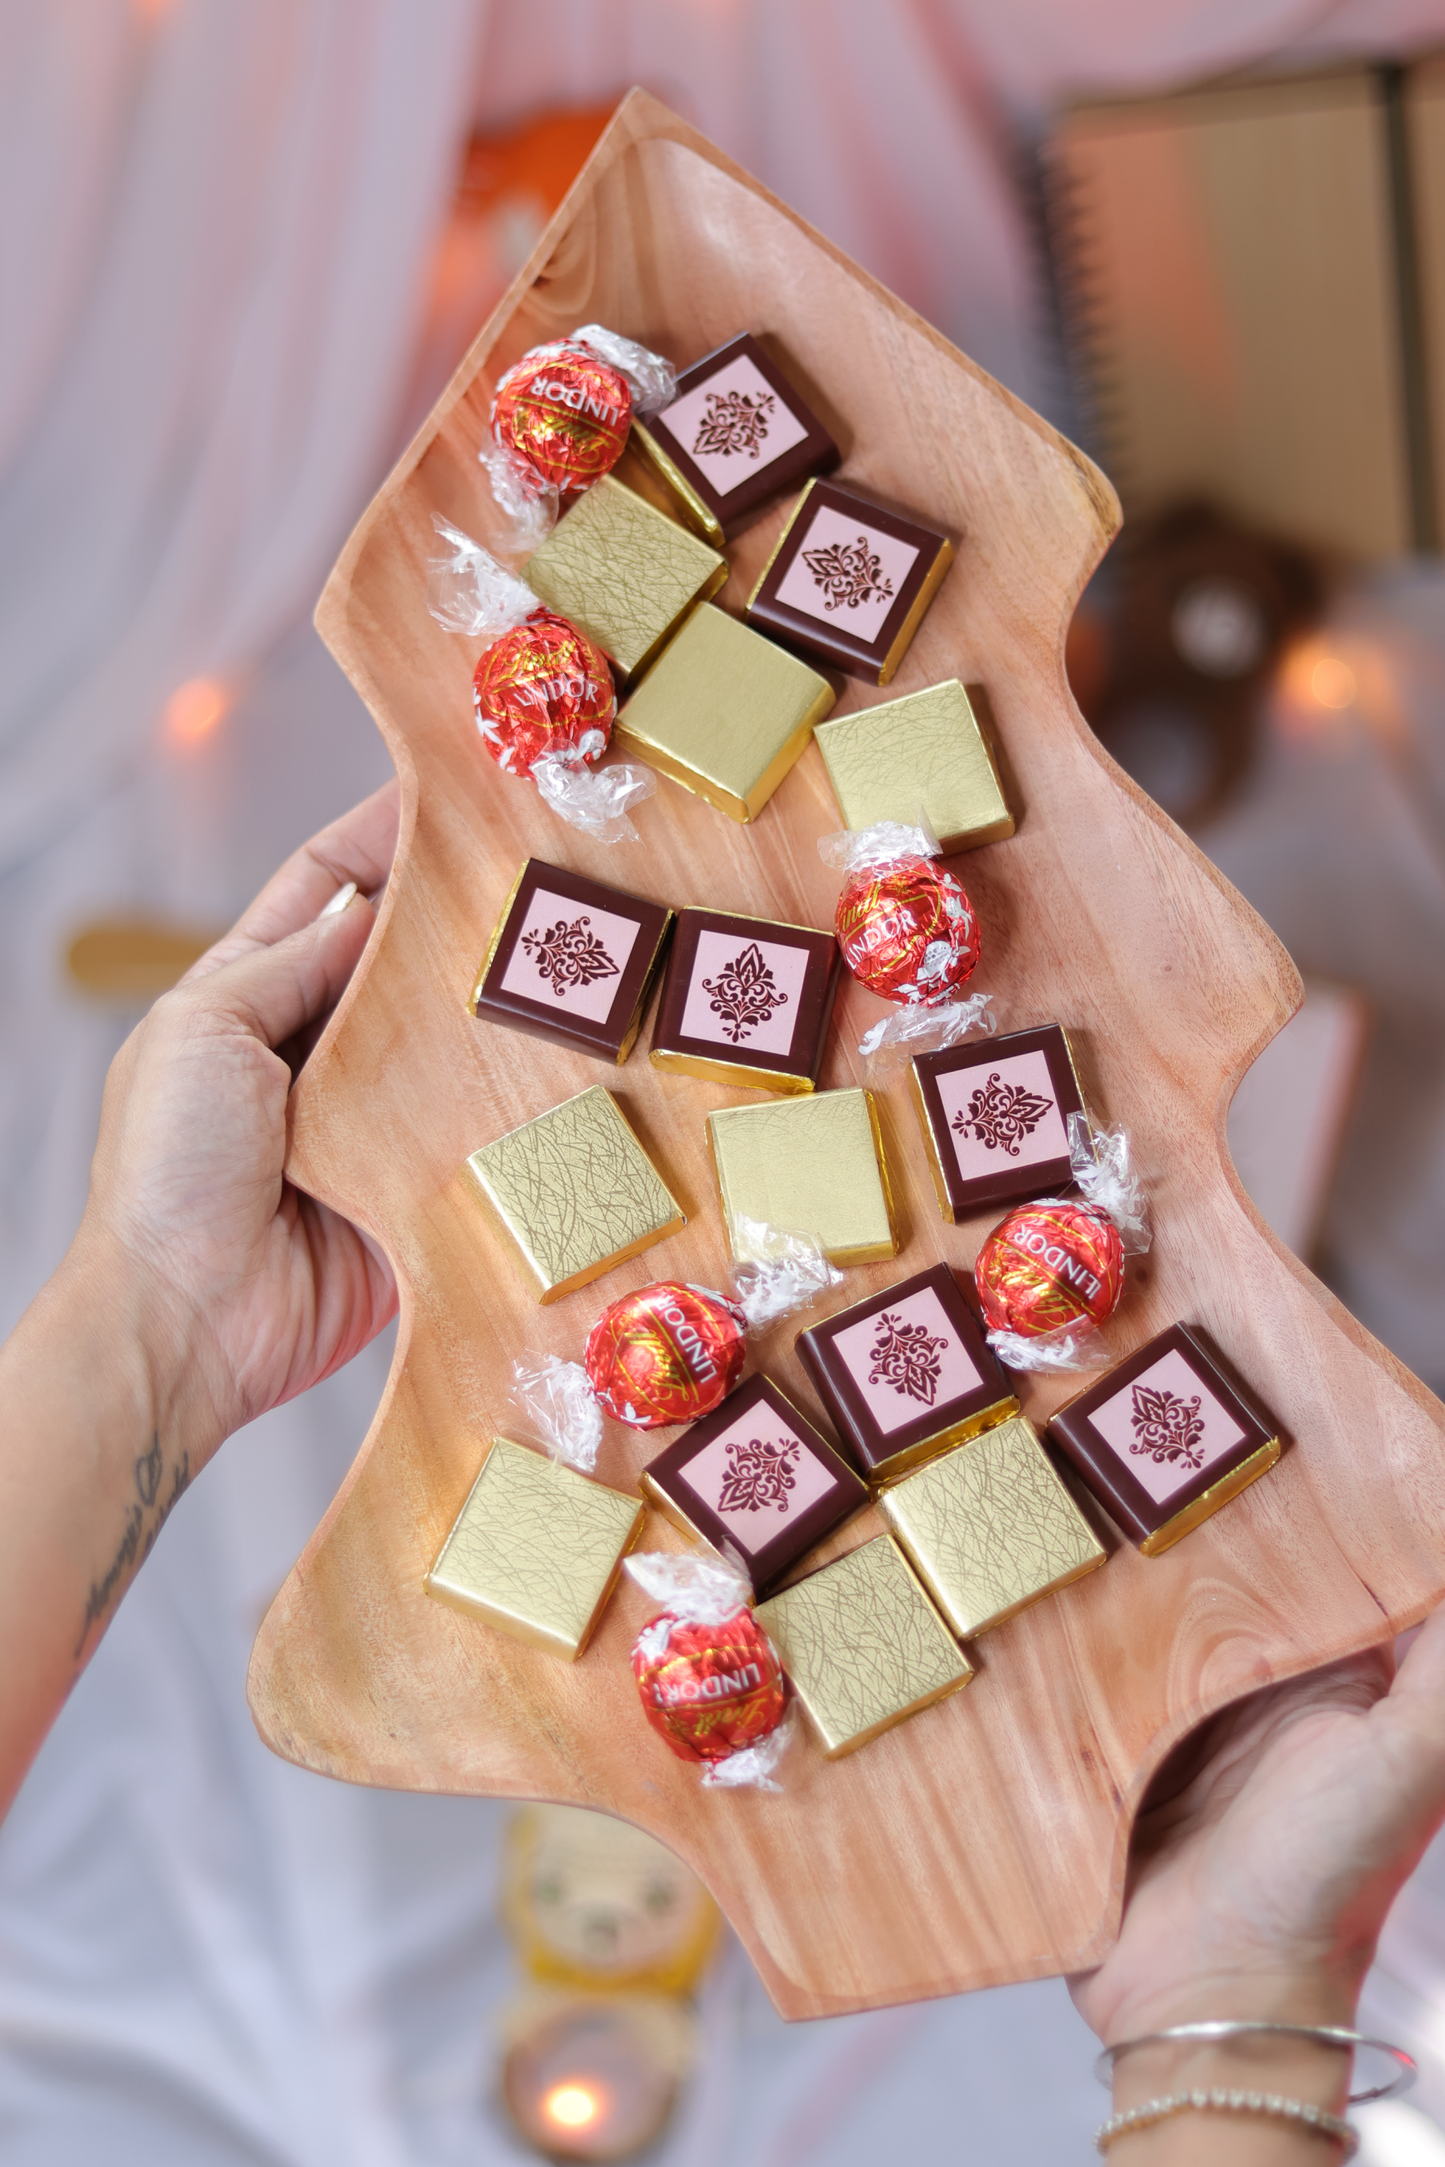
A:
{"x": 215, "y": 222}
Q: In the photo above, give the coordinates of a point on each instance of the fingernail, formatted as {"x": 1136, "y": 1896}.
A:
{"x": 338, "y": 902}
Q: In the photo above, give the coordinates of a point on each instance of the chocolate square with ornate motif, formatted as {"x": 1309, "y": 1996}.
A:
{"x": 737, "y": 435}
{"x": 572, "y": 961}
{"x": 906, "y": 1373}
{"x": 756, "y": 1476}
{"x": 849, "y": 581}
{"x": 746, "y": 1001}
{"x": 1167, "y": 1437}
{"x": 995, "y": 1117}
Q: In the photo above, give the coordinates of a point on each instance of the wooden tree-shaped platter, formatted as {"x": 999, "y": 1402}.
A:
{"x": 984, "y": 1840}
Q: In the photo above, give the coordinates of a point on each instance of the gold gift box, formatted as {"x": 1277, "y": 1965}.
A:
{"x": 724, "y": 712}
{"x": 863, "y": 1646}
{"x": 990, "y": 1528}
{"x": 809, "y": 1166}
{"x": 926, "y": 749}
{"x": 536, "y": 1550}
{"x": 623, "y": 572}
{"x": 574, "y": 1193}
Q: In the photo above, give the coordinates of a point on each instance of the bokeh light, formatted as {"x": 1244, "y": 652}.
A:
{"x": 1332, "y": 682}
{"x": 572, "y": 2106}
{"x": 194, "y": 709}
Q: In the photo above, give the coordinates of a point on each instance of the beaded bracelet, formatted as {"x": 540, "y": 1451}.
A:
{"x": 1299, "y": 2111}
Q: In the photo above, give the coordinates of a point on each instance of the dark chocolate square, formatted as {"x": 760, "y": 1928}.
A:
{"x": 1157, "y": 1436}
{"x": 906, "y": 1373}
{"x": 995, "y": 1118}
{"x": 572, "y": 961}
{"x": 849, "y": 581}
{"x": 739, "y": 435}
{"x": 746, "y": 1001}
{"x": 756, "y": 1476}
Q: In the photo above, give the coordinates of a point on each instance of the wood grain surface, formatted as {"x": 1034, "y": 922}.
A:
{"x": 984, "y": 1840}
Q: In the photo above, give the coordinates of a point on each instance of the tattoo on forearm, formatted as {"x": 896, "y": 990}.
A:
{"x": 143, "y": 1522}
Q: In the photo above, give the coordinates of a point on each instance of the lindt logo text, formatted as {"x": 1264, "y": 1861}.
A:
{"x": 687, "y": 1337}
{"x": 542, "y": 689}
{"x": 1057, "y": 1259}
{"x": 893, "y": 925}
{"x": 719, "y": 1685}
{"x": 580, "y": 401}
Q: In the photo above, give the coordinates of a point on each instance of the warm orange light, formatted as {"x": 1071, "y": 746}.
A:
{"x": 572, "y": 2106}
{"x": 1332, "y": 682}
{"x": 153, "y": 11}
{"x": 194, "y": 709}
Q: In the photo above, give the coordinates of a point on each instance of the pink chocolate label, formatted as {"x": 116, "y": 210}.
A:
{"x": 908, "y": 1361}
{"x": 847, "y": 573}
{"x": 1166, "y": 1426}
{"x": 745, "y": 993}
{"x": 1002, "y": 1114}
{"x": 733, "y": 425}
{"x": 570, "y": 959}
{"x": 758, "y": 1476}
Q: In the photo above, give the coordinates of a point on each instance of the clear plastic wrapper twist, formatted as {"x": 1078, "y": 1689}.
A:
{"x": 667, "y": 1353}
{"x": 542, "y": 691}
{"x": 1052, "y": 1272}
{"x": 906, "y": 927}
{"x": 560, "y": 416}
{"x": 708, "y": 1676}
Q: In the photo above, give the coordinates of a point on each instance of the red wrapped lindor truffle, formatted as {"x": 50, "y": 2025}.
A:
{"x": 668, "y": 1353}
{"x": 1050, "y": 1267}
{"x": 564, "y": 409}
{"x": 543, "y": 687}
{"x": 710, "y": 1689}
{"x": 907, "y": 930}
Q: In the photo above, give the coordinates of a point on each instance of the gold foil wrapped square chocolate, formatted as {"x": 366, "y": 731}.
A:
{"x": 989, "y": 1528}
{"x": 724, "y": 712}
{"x": 623, "y": 573}
{"x": 863, "y": 1646}
{"x": 573, "y": 1192}
{"x": 926, "y": 749}
{"x": 809, "y": 1166}
{"x": 536, "y": 1550}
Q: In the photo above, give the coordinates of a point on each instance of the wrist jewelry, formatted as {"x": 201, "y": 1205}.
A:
{"x": 1325, "y": 2035}
{"x": 1266, "y": 2103}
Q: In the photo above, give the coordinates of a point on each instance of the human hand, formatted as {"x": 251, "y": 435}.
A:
{"x": 1260, "y": 1879}
{"x": 239, "y": 1284}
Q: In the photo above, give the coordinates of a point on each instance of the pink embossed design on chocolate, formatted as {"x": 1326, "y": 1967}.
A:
{"x": 745, "y": 993}
{"x": 565, "y": 965}
{"x": 1002, "y": 1114}
{"x": 855, "y": 576}
{"x": 733, "y": 425}
{"x": 739, "y": 1476}
{"x": 1166, "y": 1426}
{"x": 921, "y": 1354}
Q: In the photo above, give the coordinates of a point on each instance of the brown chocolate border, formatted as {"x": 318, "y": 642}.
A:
{"x": 1107, "y": 1475}
{"x": 870, "y": 1448}
{"x": 832, "y": 643}
{"x": 768, "y": 1564}
{"x": 604, "y": 1039}
{"x": 816, "y": 454}
{"x": 1010, "y": 1183}
{"x": 824, "y": 955}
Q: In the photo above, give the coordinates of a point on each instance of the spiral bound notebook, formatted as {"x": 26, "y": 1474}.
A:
{"x": 1252, "y": 276}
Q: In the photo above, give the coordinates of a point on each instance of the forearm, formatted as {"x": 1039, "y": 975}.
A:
{"x": 105, "y": 1417}
{"x": 1265, "y": 2062}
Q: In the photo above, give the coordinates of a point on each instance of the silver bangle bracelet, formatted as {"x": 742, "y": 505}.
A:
{"x": 1299, "y": 2111}
{"x": 1325, "y": 2035}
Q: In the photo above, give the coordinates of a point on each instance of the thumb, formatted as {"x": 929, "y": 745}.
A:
{"x": 275, "y": 992}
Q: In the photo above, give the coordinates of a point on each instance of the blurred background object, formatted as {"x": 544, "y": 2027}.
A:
{"x": 243, "y": 251}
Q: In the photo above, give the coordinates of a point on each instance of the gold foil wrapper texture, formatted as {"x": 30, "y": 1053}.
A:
{"x": 863, "y": 1646}
{"x": 724, "y": 712}
{"x": 536, "y": 1550}
{"x": 573, "y": 1192}
{"x": 990, "y": 1528}
{"x": 808, "y": 1166}
{"x": 926, "y": 749}
{"x": 623, "y": 572}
